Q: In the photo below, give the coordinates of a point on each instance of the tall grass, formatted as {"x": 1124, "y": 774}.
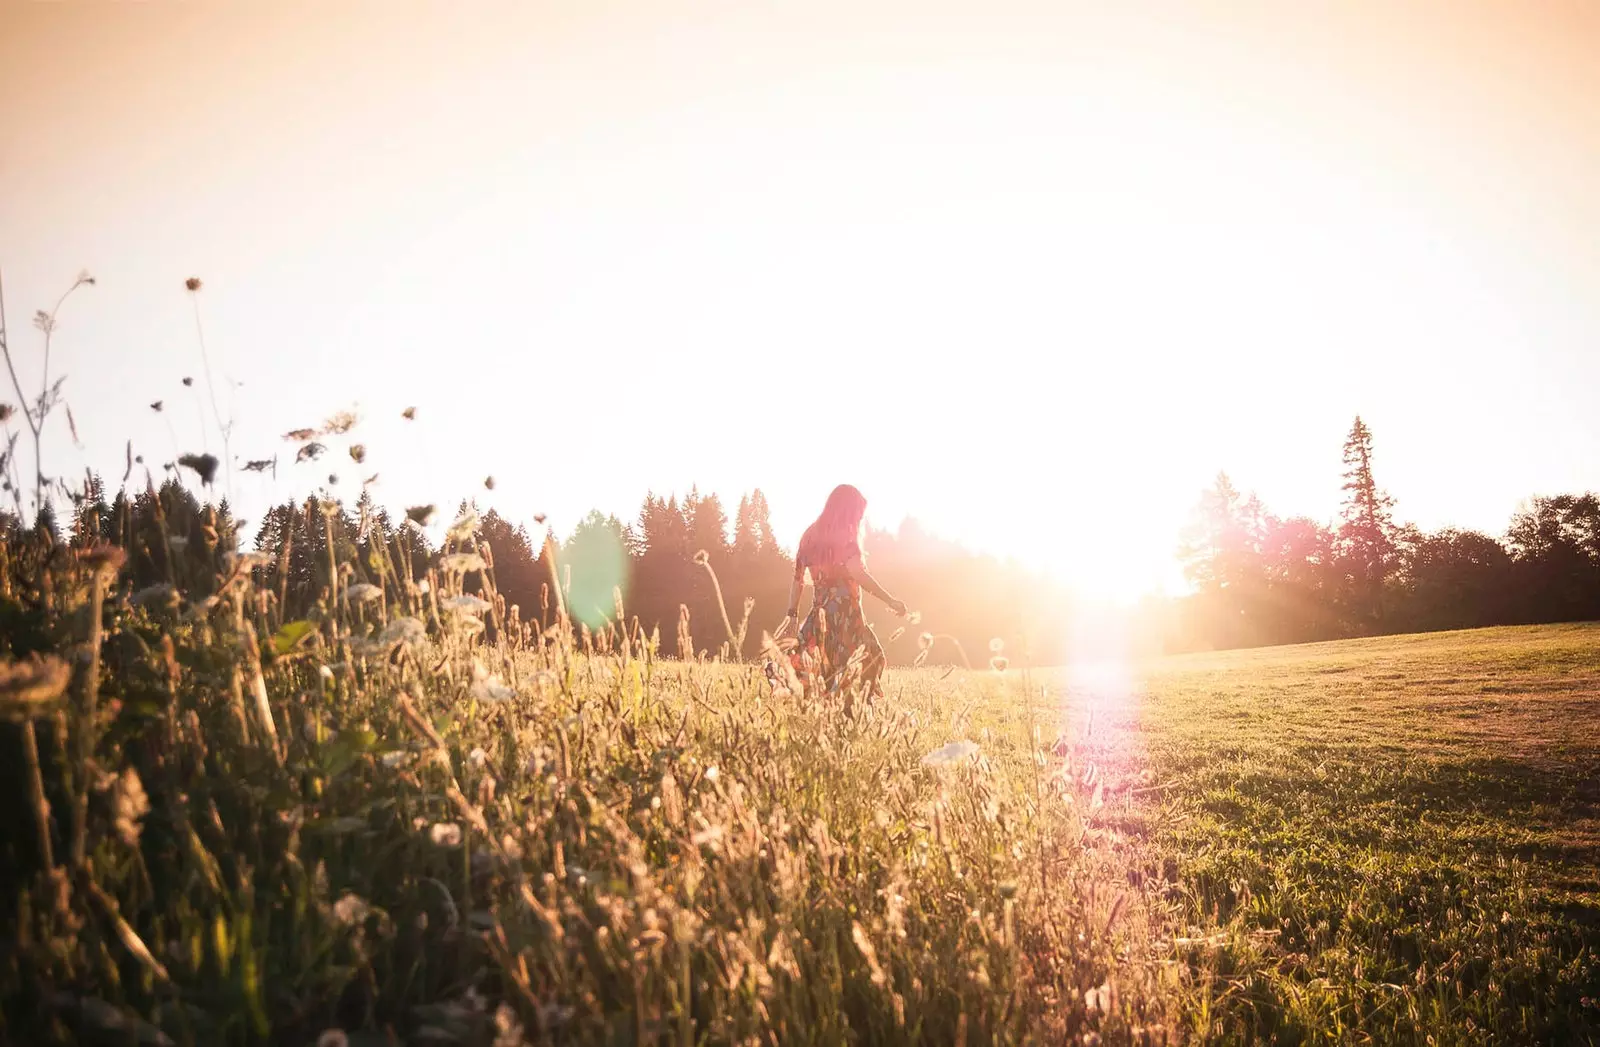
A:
{"x": 371, "y": 821}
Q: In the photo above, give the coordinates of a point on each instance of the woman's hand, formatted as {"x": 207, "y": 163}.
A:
{"x": 899, "y": 607}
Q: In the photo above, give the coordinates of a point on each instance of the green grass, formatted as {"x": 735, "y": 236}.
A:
{"x": 567, "y": 839}
{"x": 1388, "y": 840}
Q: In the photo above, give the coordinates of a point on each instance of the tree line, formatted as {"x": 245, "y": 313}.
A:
{"x": 686, "y": 574}
{"x": 705, "y": 584}
{"x": 1262, "y": 579}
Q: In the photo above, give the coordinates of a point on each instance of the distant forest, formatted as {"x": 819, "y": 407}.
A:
{"x": 1257, "y": 579}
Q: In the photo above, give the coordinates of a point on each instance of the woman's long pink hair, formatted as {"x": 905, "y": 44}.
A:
{"x": 835, "y": 536}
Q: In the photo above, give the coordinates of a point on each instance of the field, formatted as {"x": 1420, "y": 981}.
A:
{"x": 1390, "y": 839}
{"x": 367, "y": 826}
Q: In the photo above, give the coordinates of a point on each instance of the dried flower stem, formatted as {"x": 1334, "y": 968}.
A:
{"x": 87, "y": 715}
{"x": 41, "y": 806}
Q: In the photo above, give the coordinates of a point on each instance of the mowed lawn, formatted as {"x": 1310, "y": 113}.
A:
{"x": 1386, "y": 840}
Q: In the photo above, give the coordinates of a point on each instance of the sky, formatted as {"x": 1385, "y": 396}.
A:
{"x": 1030, "y": 273}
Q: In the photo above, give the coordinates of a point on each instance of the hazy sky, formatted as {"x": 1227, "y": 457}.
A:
{"x": 1032, "y": 273}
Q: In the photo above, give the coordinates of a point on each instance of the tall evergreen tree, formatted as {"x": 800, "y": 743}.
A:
{"x": 1366, "y": 530}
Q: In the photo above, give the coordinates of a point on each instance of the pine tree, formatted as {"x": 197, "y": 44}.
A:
{"x": 1366, "y": 529}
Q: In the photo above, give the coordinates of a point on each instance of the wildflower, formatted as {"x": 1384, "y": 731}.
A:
{"x": 296, "y": 436}
{"x": 465, "y": 525}
{"x": 406, "y": 630}
{"x": 477, "y": 757}
{"x": 397, "y": 758}
{"x": 949, "y": 754}
{"x": 424, "y": 587}
{"x": 466, "y": 603}
{"x": 492, "y": 689}
{"x": 420, "y": 514}
{"x": 999, "y": 663}
{"x": 192, "y": 284}
{"x": 409, "y": 414}
{"x": 462, "y": 562}
{"x": 712, "y": 774}
{"x": 445, "y": 834}
{"x": 925, "y": 642}
{"x": 310, "y": 452}
{"x": 702, "y": 558}
{"x": 914, "y": 618}
{"x": 351, "y": 909}
{"x": 363, "y": 592}
{"x": 129, "y": 805}
{"x": 996, "y": 645}
{"x": 325, "y": 672}
{"x": 33, "y": 682}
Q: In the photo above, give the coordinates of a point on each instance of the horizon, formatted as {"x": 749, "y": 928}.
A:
{"x": 1068, "y": 264}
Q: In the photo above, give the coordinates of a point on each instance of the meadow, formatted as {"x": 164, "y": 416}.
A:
{"x": 370, "y": 826}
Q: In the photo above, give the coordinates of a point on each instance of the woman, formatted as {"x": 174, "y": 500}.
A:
{"x": 835, "y": 646}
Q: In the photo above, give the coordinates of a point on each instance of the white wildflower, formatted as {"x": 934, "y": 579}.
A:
{"x": 325, "y": 672}
{"x": 477, "y": 757}
{"x": 445, "y": 834}
{"x": 464, "y": 527}
{"x": 397, "y": 758}
{"x": 462, "y": 562}
{"x": 712, "y": 774}
{"x": 363, "y": 592}
{"x": 492, "y": 689}
{"x": 406, "y": 630}
{"x": 953, "y": 753}
{"x": 465, "y": 604}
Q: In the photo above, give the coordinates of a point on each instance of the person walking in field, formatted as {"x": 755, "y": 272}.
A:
{"x": 835, "y": 649}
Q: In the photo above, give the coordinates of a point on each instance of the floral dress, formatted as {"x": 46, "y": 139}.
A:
{"x": 836, "y": 649}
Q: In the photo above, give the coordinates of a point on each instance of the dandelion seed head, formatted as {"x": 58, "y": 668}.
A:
{"x": 925, "y": 642}
{"x": 953, "y": 753}
{"x": 702, "y": 558}
{"x": 996, "y": 645}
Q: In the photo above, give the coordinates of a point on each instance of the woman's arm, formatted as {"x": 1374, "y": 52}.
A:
{"x": 858, "y": 571}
